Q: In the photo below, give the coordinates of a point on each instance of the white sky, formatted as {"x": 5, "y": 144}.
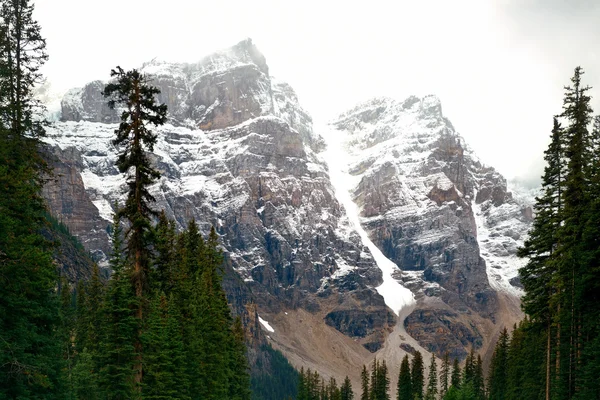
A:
{"x": 498, "y": 66}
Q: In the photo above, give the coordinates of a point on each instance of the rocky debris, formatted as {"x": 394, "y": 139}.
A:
{"x": 408, "y": 348}
{"x": 441, "y": 331}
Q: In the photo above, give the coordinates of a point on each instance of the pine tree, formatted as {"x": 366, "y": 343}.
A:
{"x": 445, "y": 374}
{"x": 431, "y": 393}
{"x": 23, "y": 54}
{"x": 374, "y": 376}
{"x": 65, "y": 335}
{"x": 29, "y": 306}
{"x": 239, "y": 385}
{"x": 404, "y": 381}
{"x": 456, "y": 374}
{"x": 478, "y": 379}
{"x": 346, "y": 392}
{"x": 164, "y": 376}
{"x": 133, "y": 92}
{"x": 499, "y": 368}
{"x": 116, "y": 349}
{"x": 469, "y": 368}
{"x": 164, "y": 263}
{"x": 383, "y": 382}
{"x": 417, "y": 376}
{"x": 571, "y": 254}
{"x": 302, "y": 386}
{"x": 364, "y": 380}
{"x": 85, "y": 377}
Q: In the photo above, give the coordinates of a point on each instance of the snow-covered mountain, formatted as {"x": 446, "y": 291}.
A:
{"x": 336, "y": 233}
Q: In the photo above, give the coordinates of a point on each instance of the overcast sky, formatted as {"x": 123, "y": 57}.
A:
{"x": 498, "y": 66}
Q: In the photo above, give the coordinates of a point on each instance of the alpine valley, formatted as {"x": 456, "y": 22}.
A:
{"x": 376, "y": 235}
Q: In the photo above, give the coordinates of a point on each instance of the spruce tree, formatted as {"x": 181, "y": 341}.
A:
{"x": 445, "y": 374}
{"x": 302, "y": 385}
{"x": 374, "y": 376}
{"x": 239, "y": 382}
{"x": 571, "y": 249}
{"x": 65, "y": 336}
{"x": 404, "y": 381}
{"x": 478, "y": 379}
{"x": 164, "y": 263}
{"x": 164, "y": 376}
{"x": 499, "y": 368}
{"x": 132, "y": 91}
{"x": 116, "y": 348}
{"x": 456, "y": 374}
{"x": 346, "y": 392}
{"x": 29, "y": 306}
{"x": 364, "y": 383}
{"x": 431, "y": 393}
{"x": 417, "y": 376}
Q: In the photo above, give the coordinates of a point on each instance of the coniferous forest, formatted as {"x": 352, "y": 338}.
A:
{"x": 160, "y": 326}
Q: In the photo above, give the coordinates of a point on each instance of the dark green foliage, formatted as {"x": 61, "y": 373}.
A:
{"x": 163, "y": 278}
{"x": 540, "y": 271}
{"x": 525, "y": 361}
{"x": 239, "y": 378}
{"x": 132, "y": 91}
{"x": 417, "y": 376}
{"x": 65, "y": 334}
{"x": 364, "y": 383}
{"x": 310, "y": 386}
{"x": 23, "y": 54}
{"x": 562, "y": 274}
{"x": 432, "y": 381}
{"x": 279, "y": 380}
{"x": 465, "y": 392}
{"x": 346, "y": 392}
{"x": 456, "y": 374}
{"x": 405, "y": 391}
{"x": 116, "y": 346}
{"x": 164, "y": 357}
{"x": 499, "y": 368}
{"x": 380, "y": 382}
{"x": 30, "y": 351}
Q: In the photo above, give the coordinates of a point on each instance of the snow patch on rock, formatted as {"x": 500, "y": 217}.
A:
{"x": 395, "y": 295}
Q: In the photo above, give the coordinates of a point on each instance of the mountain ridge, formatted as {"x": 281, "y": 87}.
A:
{"x": 241, "y": 154}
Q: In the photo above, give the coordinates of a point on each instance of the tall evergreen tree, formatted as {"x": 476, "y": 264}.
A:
{"x": 445, "y": 374}
{"x": 417, "y": 376}
{"x": 478, "y": 379}
{"x": 117, "y": 350}
{"x": 239, "y": 382}
{"x": 456, "y": 374}
{"x": 346, "y": 392}
{"x": 577, "y": 112}
{"x": 404, "y": 391}
{"x": 432, "y": 381}
{"x": 364, "y": 383}
{"x": 29, "y": 306}
{"x": 133, "y": 91}
{"x": 499, "y": 368}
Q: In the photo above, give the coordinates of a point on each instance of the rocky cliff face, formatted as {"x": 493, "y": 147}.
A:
{"x": 241, "y": 154}
{"x": 425, "y": 198}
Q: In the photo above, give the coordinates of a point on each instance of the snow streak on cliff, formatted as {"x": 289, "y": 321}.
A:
{"x": 395, "y": 295}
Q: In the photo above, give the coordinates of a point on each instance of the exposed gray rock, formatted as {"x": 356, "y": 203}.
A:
{"x": 240, "y": 154}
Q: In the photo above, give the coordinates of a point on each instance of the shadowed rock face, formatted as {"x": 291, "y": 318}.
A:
{"x": 240, "y": 154}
